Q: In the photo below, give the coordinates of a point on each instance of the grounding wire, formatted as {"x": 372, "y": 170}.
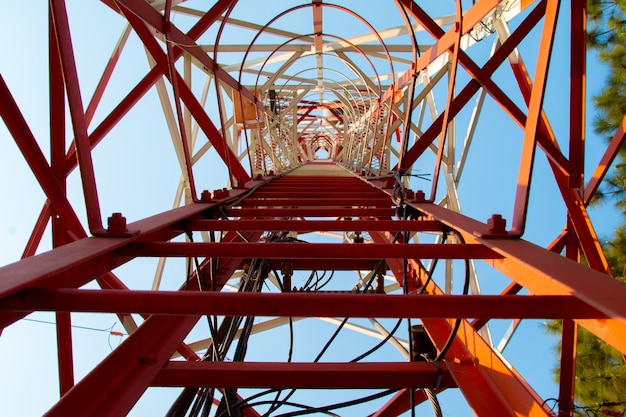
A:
{"x": 434, "y": 402}
{"x": 379, "y": 344}
{"x": 340, "y": 405}
{"x": 457, "y": 323}
{"x": 308, "y": 409}
{"x": 433, "y": 264}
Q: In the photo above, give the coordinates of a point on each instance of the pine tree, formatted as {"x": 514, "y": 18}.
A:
{"x": 606, "y": 34}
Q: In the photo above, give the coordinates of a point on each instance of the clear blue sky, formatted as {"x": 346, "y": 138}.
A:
{"x": 28, "y": 348}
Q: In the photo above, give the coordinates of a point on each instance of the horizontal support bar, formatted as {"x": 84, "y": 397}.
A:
{"x": 315, "y": 225}
{"x": 304, "y": 375}
{"x": 310, "y": 212}
{"x": 297, "y": 250}
{"x": 300, "y": 304}
{"x": 333, "y": 201}
{"x": 327, "y": 264}
{"x": 320, "y": 193}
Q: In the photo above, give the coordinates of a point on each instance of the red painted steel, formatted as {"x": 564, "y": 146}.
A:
{"x": 79, "y": 123}
{"x": 319, "y": 375}
{"x": 261, "y": 231}
{"x": 520, "y": 260}
{"x": 301, "y": 304}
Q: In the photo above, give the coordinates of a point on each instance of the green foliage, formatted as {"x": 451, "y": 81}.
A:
{"x": 606, "y": 33}
{"x": 600, "y": 371}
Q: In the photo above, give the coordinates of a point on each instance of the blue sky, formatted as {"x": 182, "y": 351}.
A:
{"x": 139, "y": 149}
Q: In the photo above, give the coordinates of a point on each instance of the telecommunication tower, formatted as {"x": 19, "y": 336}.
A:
{"x": 316, "y": 155}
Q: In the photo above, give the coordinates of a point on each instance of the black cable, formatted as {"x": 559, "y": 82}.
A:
{"x": 327, "y": 281}
{"x": 408, "y": 321}
{"x": 309, "y": 408}
{"x": 457, "y": 323}
{"x": 289, "y": 355}
{"x": 379, "y": 344}
{"x": 340, "y": 405}
{"x": 433, "y": 264}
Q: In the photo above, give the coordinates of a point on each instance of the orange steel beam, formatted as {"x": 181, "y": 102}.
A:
{"x": 490, "y": 386}
{"x": 572, "y": 197}
{"x": 481, "y": 78}
{"x": 545, "y": 272}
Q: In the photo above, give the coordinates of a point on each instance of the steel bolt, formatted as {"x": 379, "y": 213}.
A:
{"x": 117, "y": 223}
{"x": 205, "y": 196}
{"x": 420, "y": 196}
{"x": 496, "y": 224}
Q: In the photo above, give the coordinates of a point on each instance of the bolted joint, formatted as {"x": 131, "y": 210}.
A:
{"x": 419, "y": 196}
{"x": 205, "y": 196}
{"x": 117, "y": 223}
{"x": 221, "y": 193}
{"x": 496, "y": 225}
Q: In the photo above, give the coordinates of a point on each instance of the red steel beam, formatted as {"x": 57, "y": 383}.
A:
{"x": 25, "y": 140}
{"x": 606, "y": 161}
{"x": 38, "y": 230}
{"x": 77, "y": 113}
{"x": 310, "y": 212}
{"x": 65, "y": 352}
{"x": 81, "y": 261}
{"x": 147, "y": 82}
{"x": 299, "y": 304}
{"x": 315, "y": 225}
{"x": 330, "y": 200}
{"x": 446, "y": 40}
{"x": 192, "y": 103}
{"x": 303, "y": 375}
{"x": 313, "y": 190}
{"x": 306, "y": 250}
{"x": 578, "y": 88}
{"x": 568, "y": 369}
{"x": 186, "y": 43}
{"x": 119, "y": 380}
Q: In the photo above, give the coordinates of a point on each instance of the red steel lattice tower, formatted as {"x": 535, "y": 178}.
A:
{"x": 312, "y": 151}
